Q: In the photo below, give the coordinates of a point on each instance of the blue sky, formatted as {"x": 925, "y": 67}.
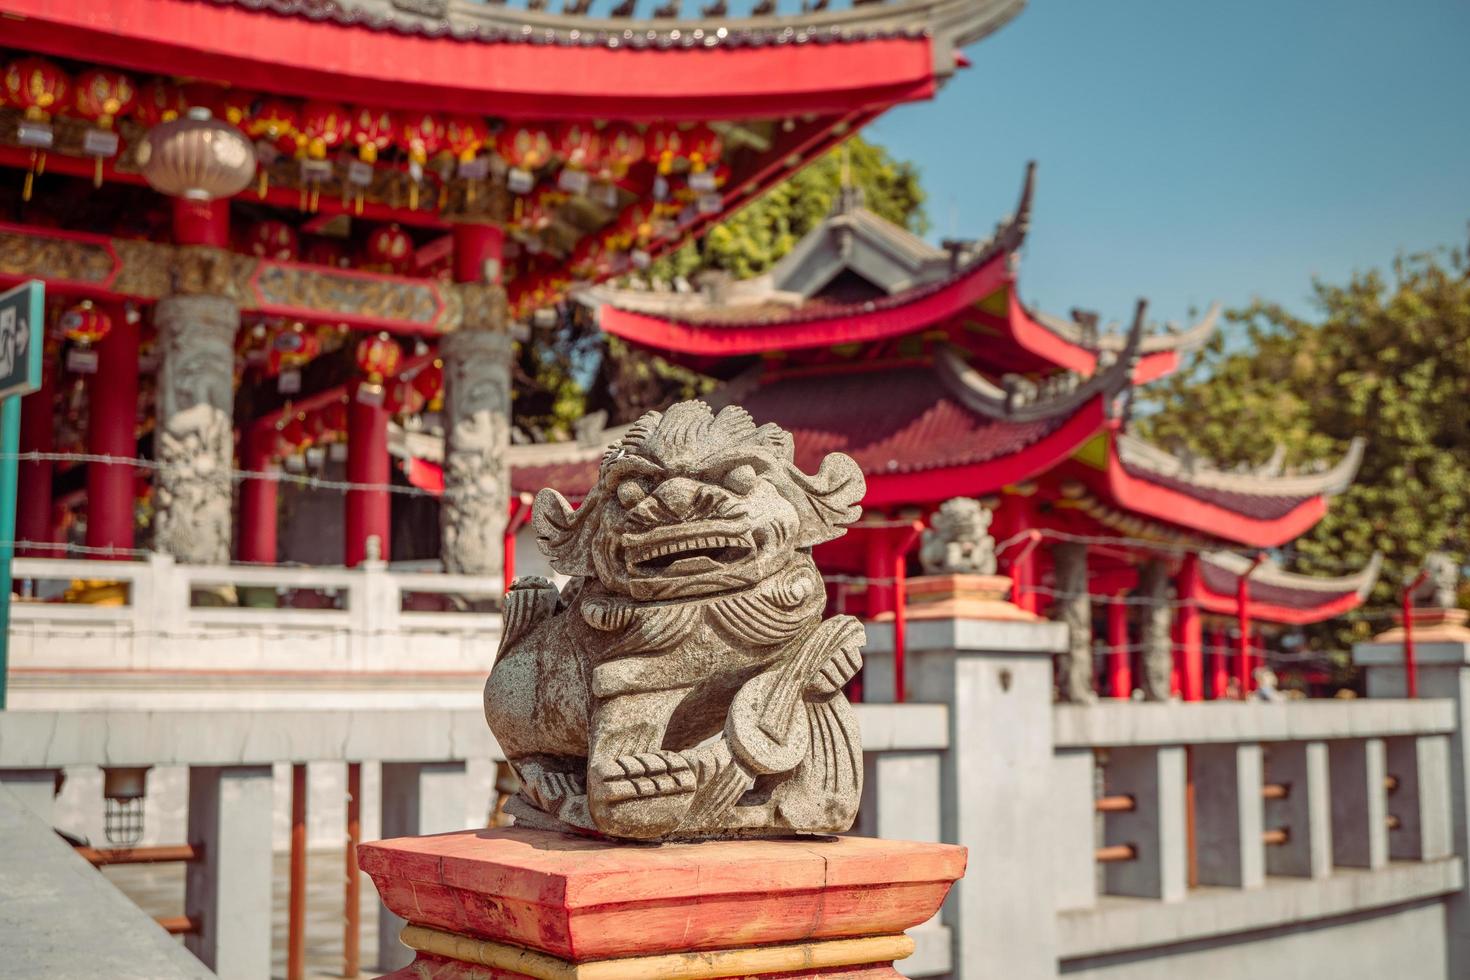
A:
{"x": 1190, "y": 151}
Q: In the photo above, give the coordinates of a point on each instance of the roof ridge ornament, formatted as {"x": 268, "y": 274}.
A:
{"x": 1019, "y": 399}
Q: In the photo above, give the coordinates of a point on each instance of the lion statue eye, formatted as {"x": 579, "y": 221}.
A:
{"x": 741, "y": 479}
{"x": 630, "y": 493}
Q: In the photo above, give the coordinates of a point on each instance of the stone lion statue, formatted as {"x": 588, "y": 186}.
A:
{"x": 958, "y": 541}
{"x": 1440, "y": 585}
{"x": 684, "y": 683}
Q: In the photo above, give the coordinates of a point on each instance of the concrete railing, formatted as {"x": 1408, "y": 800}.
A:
{"x": 159, "y": 616}
{"x": 427, "y": 771}
{"x": 1239, "y": 818}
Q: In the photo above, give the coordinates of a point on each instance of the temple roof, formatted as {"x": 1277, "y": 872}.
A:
{"x": 960, "y": 21}
{"x": 1280, "y": 596}
{"x": 451, "y": 54}
{"x": 858, "y": 279}
{"x": 912, "y": 426}
{"x": 1263, "y": 507}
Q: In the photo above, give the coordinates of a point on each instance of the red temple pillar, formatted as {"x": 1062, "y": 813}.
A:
{"x": 878, "y": 567}
{"x": 202, "y": 222}
{"x": 368, "y": 510}
{"x": 1120, "y": 666}
{"x": 111, "y": 431}
{"x": 1017, "y": 515}
{"x": 1191, "y": 632}
{"x": 33, "y": 506}
{"x": 1176, "y": 670}
{"x": 257, "y": 498}
{"x": 1219, "y": 671}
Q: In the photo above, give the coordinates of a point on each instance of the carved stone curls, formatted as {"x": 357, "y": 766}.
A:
{"x": 683, "y": 684}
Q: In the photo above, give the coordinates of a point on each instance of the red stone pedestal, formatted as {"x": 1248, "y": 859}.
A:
{"x": 513, "y": 903}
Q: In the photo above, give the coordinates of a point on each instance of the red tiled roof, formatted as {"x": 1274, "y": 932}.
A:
{"x": 1261, "y": 507}
{"x": 891, "y": 420}
{"x": 895, "y": 420}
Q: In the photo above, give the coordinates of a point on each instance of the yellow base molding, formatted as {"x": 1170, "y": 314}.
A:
{"x": 670, "y": 966}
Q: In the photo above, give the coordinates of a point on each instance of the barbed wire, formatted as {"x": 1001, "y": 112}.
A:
{"x": 235, "y": 475}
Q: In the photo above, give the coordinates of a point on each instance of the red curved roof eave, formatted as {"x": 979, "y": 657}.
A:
{"x": 1213, "y": 602}
{"x": 978, "y": 479}
{"x": 1044, "y": 343}
{"x": 294, "y": 55}
{"x": 1173, "y": 507}
{"x": 735, "y": 340}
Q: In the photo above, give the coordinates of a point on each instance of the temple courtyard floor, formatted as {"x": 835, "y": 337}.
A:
{"x": 158, "y": 889}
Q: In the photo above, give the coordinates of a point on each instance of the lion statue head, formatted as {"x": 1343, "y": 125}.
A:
{"x": 689, "y": 503}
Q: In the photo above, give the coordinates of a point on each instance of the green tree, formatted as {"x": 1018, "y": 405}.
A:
{"x": 1388, "y": 358}
{"x": 626, "y": 382}
{"x": 755, "y": 238}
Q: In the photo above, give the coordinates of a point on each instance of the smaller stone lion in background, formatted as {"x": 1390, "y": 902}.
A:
{"x": 958, "y": 541}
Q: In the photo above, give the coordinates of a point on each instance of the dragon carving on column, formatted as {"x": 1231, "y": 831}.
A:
{"x": 684, "y": 684}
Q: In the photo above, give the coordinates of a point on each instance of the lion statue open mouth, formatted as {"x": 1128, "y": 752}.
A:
{"x": 684, "y": 683}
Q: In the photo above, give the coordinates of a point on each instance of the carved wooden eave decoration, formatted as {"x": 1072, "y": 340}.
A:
{"x": 114, "y": 268}
{"x": 1021, "y": 400}
{"x": 1326, "y": 481}
{"x": 1081, "y": 332}
{"x": 1076, "y": 496}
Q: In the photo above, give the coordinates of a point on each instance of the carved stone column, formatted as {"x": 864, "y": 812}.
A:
{"x": 195, "y": 433}
{"x": 1074, "y": 671}
{"x": 1158, "y": 653}
{"x": 476, "y": 434}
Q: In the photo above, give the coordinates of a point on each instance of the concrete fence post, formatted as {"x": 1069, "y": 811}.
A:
{"x": 996, "y": 777}
{"x": 229, "y": 888}
{"x": 1228, "y": 811}
{"x": 1420, "y": 801}
{"x": 1359, "y": 829}
{"x": 417, "y": 798}
{"x": 1074, "y": 829}
{"x": 1305, "y": 813}
{"x": 1154, "y": 776}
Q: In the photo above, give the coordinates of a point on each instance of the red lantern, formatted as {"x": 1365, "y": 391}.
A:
{"x": 37, "y": 86}
{"x": 372, "y": 133}
{"x": 524, "y": 147}
{"x": 579, "y": 146}
{"x": 378, "y": 357}
{"x": 702, "y": 147}
{"x": 293, "y": 435}
{"x": 272, "y": 240}
{"x": 277, "y": 123}
{"x": 419, "y": 135}
{"x": 663, "y": 144}
{"x": 42, "y": 90}
{"x": 325, "y": 126}
{"x": 635, "y": 226}
{"x": 429, "y": 383}
{"x": 622, "y": 147}
{"x": 389, "y": 249}
{"x": 103, "y": 96}
{"x": 465, "y": 137}
{"x": 85, "y": 323}
{"x": 292, "y": 348}
{"x": 405, "y": 398}
{"x": 160, "y": 102}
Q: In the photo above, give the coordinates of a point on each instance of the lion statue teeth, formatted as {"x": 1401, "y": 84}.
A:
{"x": 684, "y": 683}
